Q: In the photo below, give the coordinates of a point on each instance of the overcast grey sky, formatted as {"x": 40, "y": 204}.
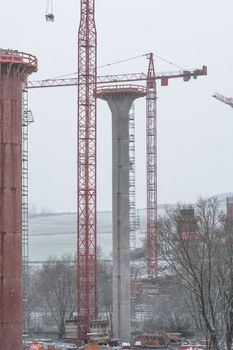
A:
{"x": 195, "y": 140}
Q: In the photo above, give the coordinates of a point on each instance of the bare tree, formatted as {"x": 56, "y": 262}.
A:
{"x": 168, "y": 309}
{"x": 225, "y": 280}
{"x": 192, "y": 258}
{"x": 55, "y": 286}
{"x": 104, "y": 289}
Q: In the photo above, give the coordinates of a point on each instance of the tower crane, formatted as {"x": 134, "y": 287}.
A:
{"x": 86, "y": 174}
{"x": 150, "y": 78}
{"x": 86, "y": 82}
{"x": 86, "y": 163}
{"x": 226, "y": 100}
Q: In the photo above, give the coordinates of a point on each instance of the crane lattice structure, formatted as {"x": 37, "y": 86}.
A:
{"x": 227, "y": 100}
{"x": 151, "y": 170}
{"x": 163, "y": 77}
{"x": 86, "y": 206}
{"x": 87, "y": 161}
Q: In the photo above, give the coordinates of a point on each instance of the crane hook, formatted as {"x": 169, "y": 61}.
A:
{"x": 49, "y": 16}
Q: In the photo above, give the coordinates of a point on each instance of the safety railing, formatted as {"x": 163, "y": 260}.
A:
{"x": 16, "y": 57}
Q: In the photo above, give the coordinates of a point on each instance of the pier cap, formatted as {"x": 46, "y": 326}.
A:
{"x": 109, "y": 91}
{"x": 17, "y": 64}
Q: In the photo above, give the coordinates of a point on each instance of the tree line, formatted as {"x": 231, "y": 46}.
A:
{"x": 195, "y": 284}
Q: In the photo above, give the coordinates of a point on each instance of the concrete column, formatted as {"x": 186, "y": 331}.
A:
{"x": 14, "y": 69}
{"x": 120, "y": 100}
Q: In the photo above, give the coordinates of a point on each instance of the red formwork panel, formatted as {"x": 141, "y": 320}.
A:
{"x": 12, "y": 312}
{"x": 7, "y": 215}
{"x": 18, "y": 208}
{"x": 10, "y": 219}
{"x": 12, "y": 263}
{"x": 8, "y": 341}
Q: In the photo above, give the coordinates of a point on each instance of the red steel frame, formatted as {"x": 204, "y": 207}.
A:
{"x": 151, "y": 163}
{"x": 86, "y": 225}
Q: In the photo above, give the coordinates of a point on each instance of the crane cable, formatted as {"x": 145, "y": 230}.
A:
{"x": 105, "y": 65}
{"x": 146, "y": 54}
{"x": 165, "y": 60}
{"x": 49, "y": 7}
{"x": 122, "y": 61}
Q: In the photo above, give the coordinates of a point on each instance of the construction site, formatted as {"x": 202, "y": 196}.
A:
{"x": 88, "y": 326}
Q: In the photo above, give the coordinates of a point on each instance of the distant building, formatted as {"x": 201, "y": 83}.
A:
{"x": 187, "y": 228}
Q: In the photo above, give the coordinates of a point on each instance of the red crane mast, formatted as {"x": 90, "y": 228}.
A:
{"x": 151, "y": 170}
{"x": 86, "y": 192}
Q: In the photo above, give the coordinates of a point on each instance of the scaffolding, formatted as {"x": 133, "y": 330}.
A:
{"x": 27, "y": 118}
{"x": 133, "y": 217}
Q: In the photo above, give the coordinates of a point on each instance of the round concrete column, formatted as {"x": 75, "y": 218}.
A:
{"x": 120, "y": 99}
{"x": 14, "y": 69}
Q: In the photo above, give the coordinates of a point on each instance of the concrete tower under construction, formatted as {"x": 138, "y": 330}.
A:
{"x": 120, "y": 99}
{"x": 14, "y": 69}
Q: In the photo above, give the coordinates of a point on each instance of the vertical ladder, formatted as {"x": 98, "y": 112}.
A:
{"x": 27, "y": 118}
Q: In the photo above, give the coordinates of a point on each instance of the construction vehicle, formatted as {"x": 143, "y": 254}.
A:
{"x": 153, "y": 340}
{"x": 36, "y": 346}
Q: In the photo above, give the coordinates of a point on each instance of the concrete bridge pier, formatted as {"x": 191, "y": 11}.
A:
{"x": 120, "y": 99}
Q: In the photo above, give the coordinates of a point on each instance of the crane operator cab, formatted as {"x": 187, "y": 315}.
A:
{"x": 49, "y": 16}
